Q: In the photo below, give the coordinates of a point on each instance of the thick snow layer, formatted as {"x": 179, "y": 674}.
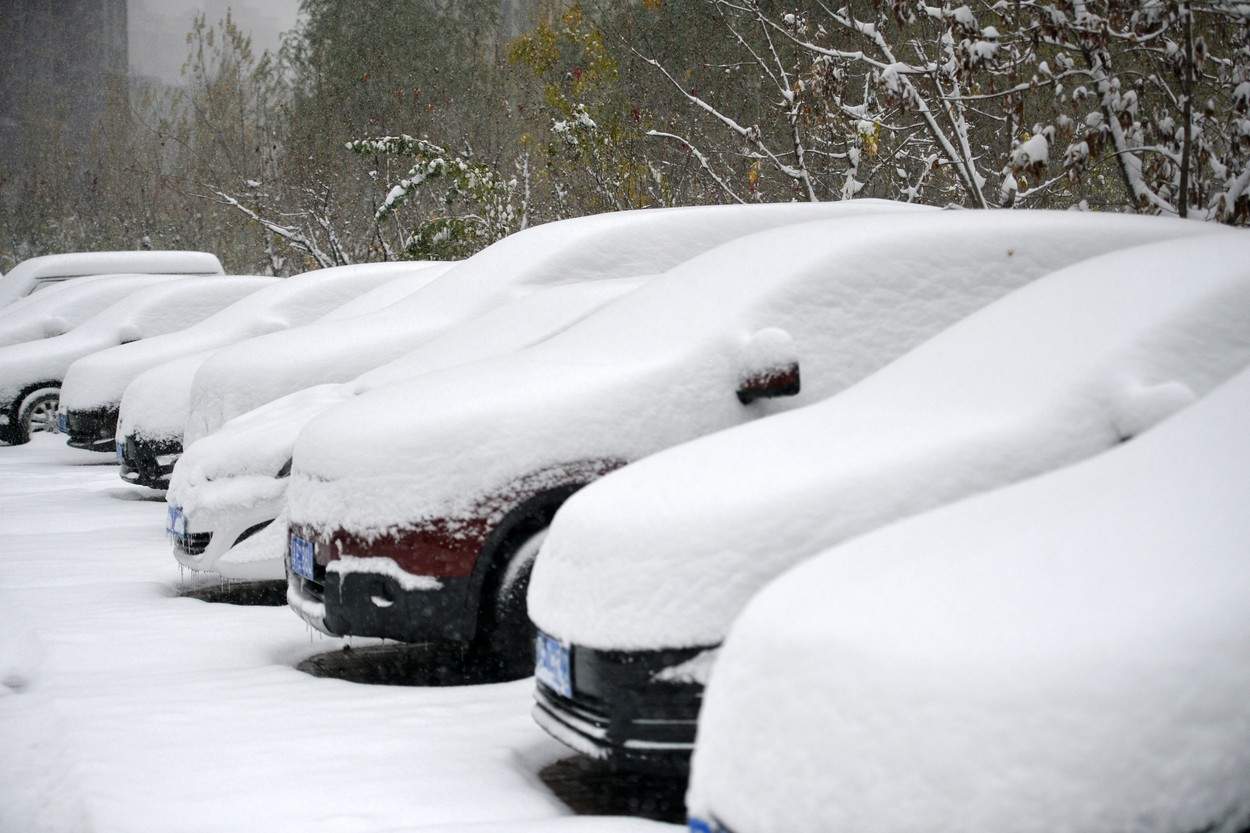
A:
{"x": 616, "y": 245}
{"x": 226, "y": 482}
{"x": 25, "y": 275}
{"x": 126, "y": 708}
{"x": 662, "y": 365}
{"x": 157, "y": 397}
{"x": 102, "y": 379}
{"x": 1064, "y": 654}
{"x": 145, "y": 316}
{"x": 1057, "y": 371}
{"x": 155, "y": 405}
{"x": 61, "y": 307}
{"x": 409, "y": 276}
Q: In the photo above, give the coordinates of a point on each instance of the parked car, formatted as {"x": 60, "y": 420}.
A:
{"x": 37, "y": 273}
{"x": 31, "y": 373}
{"x": 94, "y": 386}
{"x": 1063, "y": 654}
{"x": 615, "y": 245}
{"x": 60, "y": 308}
{"x": 152, "y": 414}
{"x": 643, "y": 572}
{"x": 230, "y": 485}
{"x": 424, "y": 527}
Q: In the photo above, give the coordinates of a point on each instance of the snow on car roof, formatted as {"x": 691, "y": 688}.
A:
{"x": 19, "y": 281}
{"x": 60, "y": 308}
{"x": 662, "y": 365}
{"x": 1054, "y": 372}
{"x": 259, "y": 442}
{"x": 101, "y": 379}
{"x": 1063, "y": 654}
{"x": 597, "y": 247}
{"x": 410, "y": 275}
{"x": 143, "y": 316}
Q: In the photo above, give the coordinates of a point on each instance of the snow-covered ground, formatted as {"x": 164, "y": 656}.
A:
{"x": 124, "y": 707}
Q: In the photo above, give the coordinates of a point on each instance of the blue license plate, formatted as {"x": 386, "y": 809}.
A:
{"x": 62, "y": 422}
{"x": 176, "y": 525}
{"x": 551, "y": 664}
{"x": 301, "y": 557}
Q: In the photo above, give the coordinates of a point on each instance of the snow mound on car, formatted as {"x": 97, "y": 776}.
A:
{"x": 596, "y": 247}
{"x": 666, "y": 552}
{"x": 661, "y": 366}
{"x": 101, "y": 379}
{"x": 156, "y": 404}
{"x": 146, "y": 315}
{"x": 58, "y": 309}
{"x": 1064, "y": 654}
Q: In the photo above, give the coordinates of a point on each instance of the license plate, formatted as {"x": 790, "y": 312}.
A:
{"x": 551, "y": 664}
{"x": 176, "y": 526}
{"x": 301, "y": 557}
{"x": 62, "y": 422}
{"x": 121, "y": 453}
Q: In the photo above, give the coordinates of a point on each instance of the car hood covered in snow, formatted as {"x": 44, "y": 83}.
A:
{"x": 615, "y": 245}
{"x": 155, "y": 405}
{"x": 1064, "y": 654}
{"x": 665, "y": 553}
{"x": 100, "y": 380}
{"x": 662, "y": 365}
{"x": 261, "y": 440}
{"x": 19, "y": 281}
{"x": 144, "y": 316}
{"x": 60, "y": 308}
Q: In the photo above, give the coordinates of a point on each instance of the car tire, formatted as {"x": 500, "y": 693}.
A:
{"x": 505, "y": 635}
{"x": 37, "y": 414}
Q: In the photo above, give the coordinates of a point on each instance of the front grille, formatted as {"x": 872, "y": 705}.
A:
{"x": 141, "y": 460}
{"x": 193, "y": 543}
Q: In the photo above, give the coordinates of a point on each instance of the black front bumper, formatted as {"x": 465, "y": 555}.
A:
{"x": 621, "y": 713}
{"x": 92, "y": 430}
{"x": 141, "y": 461}
{"x": 372, "y": 604}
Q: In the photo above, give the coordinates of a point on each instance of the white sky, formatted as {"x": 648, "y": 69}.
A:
{"x": 158, "y": 29}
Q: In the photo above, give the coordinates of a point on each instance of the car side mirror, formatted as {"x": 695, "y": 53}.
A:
{"x": 769, "y": 366}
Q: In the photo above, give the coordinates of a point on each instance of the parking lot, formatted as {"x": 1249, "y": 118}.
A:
{"x": 126, "y": 707}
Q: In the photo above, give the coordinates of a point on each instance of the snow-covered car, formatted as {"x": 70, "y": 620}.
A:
{"x": 31, "y": 373}
{"x": 513, "y": 294}
{"x": 613, "y": 245}
{"x": 1067, "y": 653}
{"x": 152, "y": 414}
{"x": 424, "y": 528}
{"x": 230, "y": 485}
{"x": 60, "y": 308}
{"x": 37, "y": 273}
{"x": 94, "y": 386}
{"x": 643, "y": 572}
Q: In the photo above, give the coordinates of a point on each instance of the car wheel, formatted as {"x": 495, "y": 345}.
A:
{"x": 37, "y": 414}
{"x": 505, "y": 635}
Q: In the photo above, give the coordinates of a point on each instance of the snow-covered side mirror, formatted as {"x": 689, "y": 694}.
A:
{"x": 128, "y": 333}
{"x": 768, "y": 367}
{"x": 54, "y": 326}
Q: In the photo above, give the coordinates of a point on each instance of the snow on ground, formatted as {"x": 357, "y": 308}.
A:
{"x": 126, "y": 708}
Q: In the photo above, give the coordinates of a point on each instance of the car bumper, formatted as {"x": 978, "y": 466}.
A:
{"x": 147, "y": 462}
{"x": 620, "y": 712}
{"x": 370, "y": 604}
{"x": 200, "y": 548}
{"x": 92, "y": 430}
